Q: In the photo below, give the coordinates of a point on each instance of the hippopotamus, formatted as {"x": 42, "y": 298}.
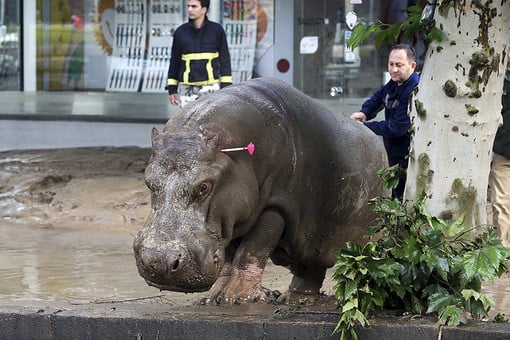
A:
{"x": 217, "y": 216}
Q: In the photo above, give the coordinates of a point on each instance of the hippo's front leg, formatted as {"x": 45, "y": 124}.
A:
{"x": 241, "y": 280}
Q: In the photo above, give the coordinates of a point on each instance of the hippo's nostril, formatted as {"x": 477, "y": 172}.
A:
{"x": 176, "y": 263}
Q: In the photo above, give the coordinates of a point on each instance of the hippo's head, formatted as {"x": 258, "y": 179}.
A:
{"x": 199, "y": 195}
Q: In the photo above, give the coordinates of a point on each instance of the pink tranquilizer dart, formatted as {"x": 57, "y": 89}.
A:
{"x": 250, "y": 148}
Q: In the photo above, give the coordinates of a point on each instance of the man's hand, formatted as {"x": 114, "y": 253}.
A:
{"x": 359, "y": 116}
{"x": 174, "y": 99}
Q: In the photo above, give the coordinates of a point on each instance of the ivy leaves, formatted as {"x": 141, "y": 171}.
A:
{"x": 419, "y": 264}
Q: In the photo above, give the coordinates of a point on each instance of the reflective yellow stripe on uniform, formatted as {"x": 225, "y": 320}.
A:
{"x": 171, "y": 82}
{"x": 208, "y": 56}
{"x": 226, "y": 79}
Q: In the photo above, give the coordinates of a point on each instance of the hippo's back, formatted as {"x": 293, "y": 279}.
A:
{"x": 329, "y": 166}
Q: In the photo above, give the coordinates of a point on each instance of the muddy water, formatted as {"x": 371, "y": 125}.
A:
{"x": 74, "y": 265}
{"x": 93, "y": 266}
{"x": 82, "y": 266}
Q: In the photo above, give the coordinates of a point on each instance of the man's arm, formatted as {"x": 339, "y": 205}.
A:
{"x": 374, "y": 104}
{"x": 225, "y": 67}
{"x": 174, "y": 67}
{"x": 370, "y": 107}
{"x": 398, "y": 123}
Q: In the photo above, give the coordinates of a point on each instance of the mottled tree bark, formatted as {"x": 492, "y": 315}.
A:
{"x": 457, "y": 109}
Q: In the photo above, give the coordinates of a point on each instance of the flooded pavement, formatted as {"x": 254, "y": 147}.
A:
{"x": 83, "y": 266}
{"x": 73, "y": 265}
{"x": 68, "y": 218}
{"x": 67, "y": 268}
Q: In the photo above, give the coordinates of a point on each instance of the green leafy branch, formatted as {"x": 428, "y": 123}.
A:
{"x": 385, "y": 34}
{"x": 416, "y": 263}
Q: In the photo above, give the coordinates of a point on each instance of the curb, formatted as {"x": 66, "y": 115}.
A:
{"x": 162, "y": 321}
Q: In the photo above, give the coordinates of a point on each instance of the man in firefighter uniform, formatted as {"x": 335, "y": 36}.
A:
{"x": 200, "y": 60}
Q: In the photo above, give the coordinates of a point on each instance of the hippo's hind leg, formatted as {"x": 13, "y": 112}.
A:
{"x": 305, "y": 285}
{"x": 243, "y": 280}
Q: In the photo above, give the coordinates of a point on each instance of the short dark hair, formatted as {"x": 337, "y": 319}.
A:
{"x": 204, "y": 3}
{"x": 411, "y": 55}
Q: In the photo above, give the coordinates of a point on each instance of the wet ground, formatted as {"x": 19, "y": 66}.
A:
{"x": 68, "y": 218}
{"x": 75, "y": 265}
{"x": 67, "y": 222}
{"x": 83, "y": 266}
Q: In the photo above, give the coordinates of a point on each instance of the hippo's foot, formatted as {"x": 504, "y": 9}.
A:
{"x": 304, "y": 289}
{"x": 235, "y": 286}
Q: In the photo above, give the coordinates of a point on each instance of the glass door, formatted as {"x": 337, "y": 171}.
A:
{"x": 324, "y": 67}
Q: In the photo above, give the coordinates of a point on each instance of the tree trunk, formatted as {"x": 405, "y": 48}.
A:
{"x": 457, "y": 109}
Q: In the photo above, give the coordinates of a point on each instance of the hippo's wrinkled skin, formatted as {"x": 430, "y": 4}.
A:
{"x": 217, "y": 217}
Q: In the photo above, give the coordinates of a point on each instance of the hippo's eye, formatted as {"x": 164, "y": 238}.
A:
{"x": 203, "y": 190}
{"x": 152, "y": 186}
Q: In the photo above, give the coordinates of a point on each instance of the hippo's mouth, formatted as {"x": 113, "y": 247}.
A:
{"x": 181, "y": 289}
{"x": 177, "y": 266}
{"x": 186, "y": 277}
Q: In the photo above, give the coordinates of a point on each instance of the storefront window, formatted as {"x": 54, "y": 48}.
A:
{"x": 124, "y": 45}
{"x": 69, "y": 53}
{"x": 324, "y": 66}
{"x": 10, "y": 42}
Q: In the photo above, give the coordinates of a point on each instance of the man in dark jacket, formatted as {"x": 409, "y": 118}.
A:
{"x": 200, "y": 60}
{"x": 499, "y": 179}
{"x": 394, "y": 97}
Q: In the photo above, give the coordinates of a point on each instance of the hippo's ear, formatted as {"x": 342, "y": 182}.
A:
{"x": 154, "y": 134}
{"x": 216, "y": 138}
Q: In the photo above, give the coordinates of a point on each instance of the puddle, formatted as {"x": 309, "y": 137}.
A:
{"x": 81, "y": 266}
{"x": 74, "y": 265}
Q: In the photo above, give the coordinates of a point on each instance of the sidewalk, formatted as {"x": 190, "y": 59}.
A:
{"x": 49, "y": 120}
{"x": 43, "y": 120}
{"x": 86, "y": 106}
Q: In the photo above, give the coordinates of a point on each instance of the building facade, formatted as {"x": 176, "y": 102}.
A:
{"x": 124, "y": 45}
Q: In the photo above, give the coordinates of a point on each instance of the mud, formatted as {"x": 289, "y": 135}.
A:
{"x": 85, "y": 188}
{"x": 68, "y": 218}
